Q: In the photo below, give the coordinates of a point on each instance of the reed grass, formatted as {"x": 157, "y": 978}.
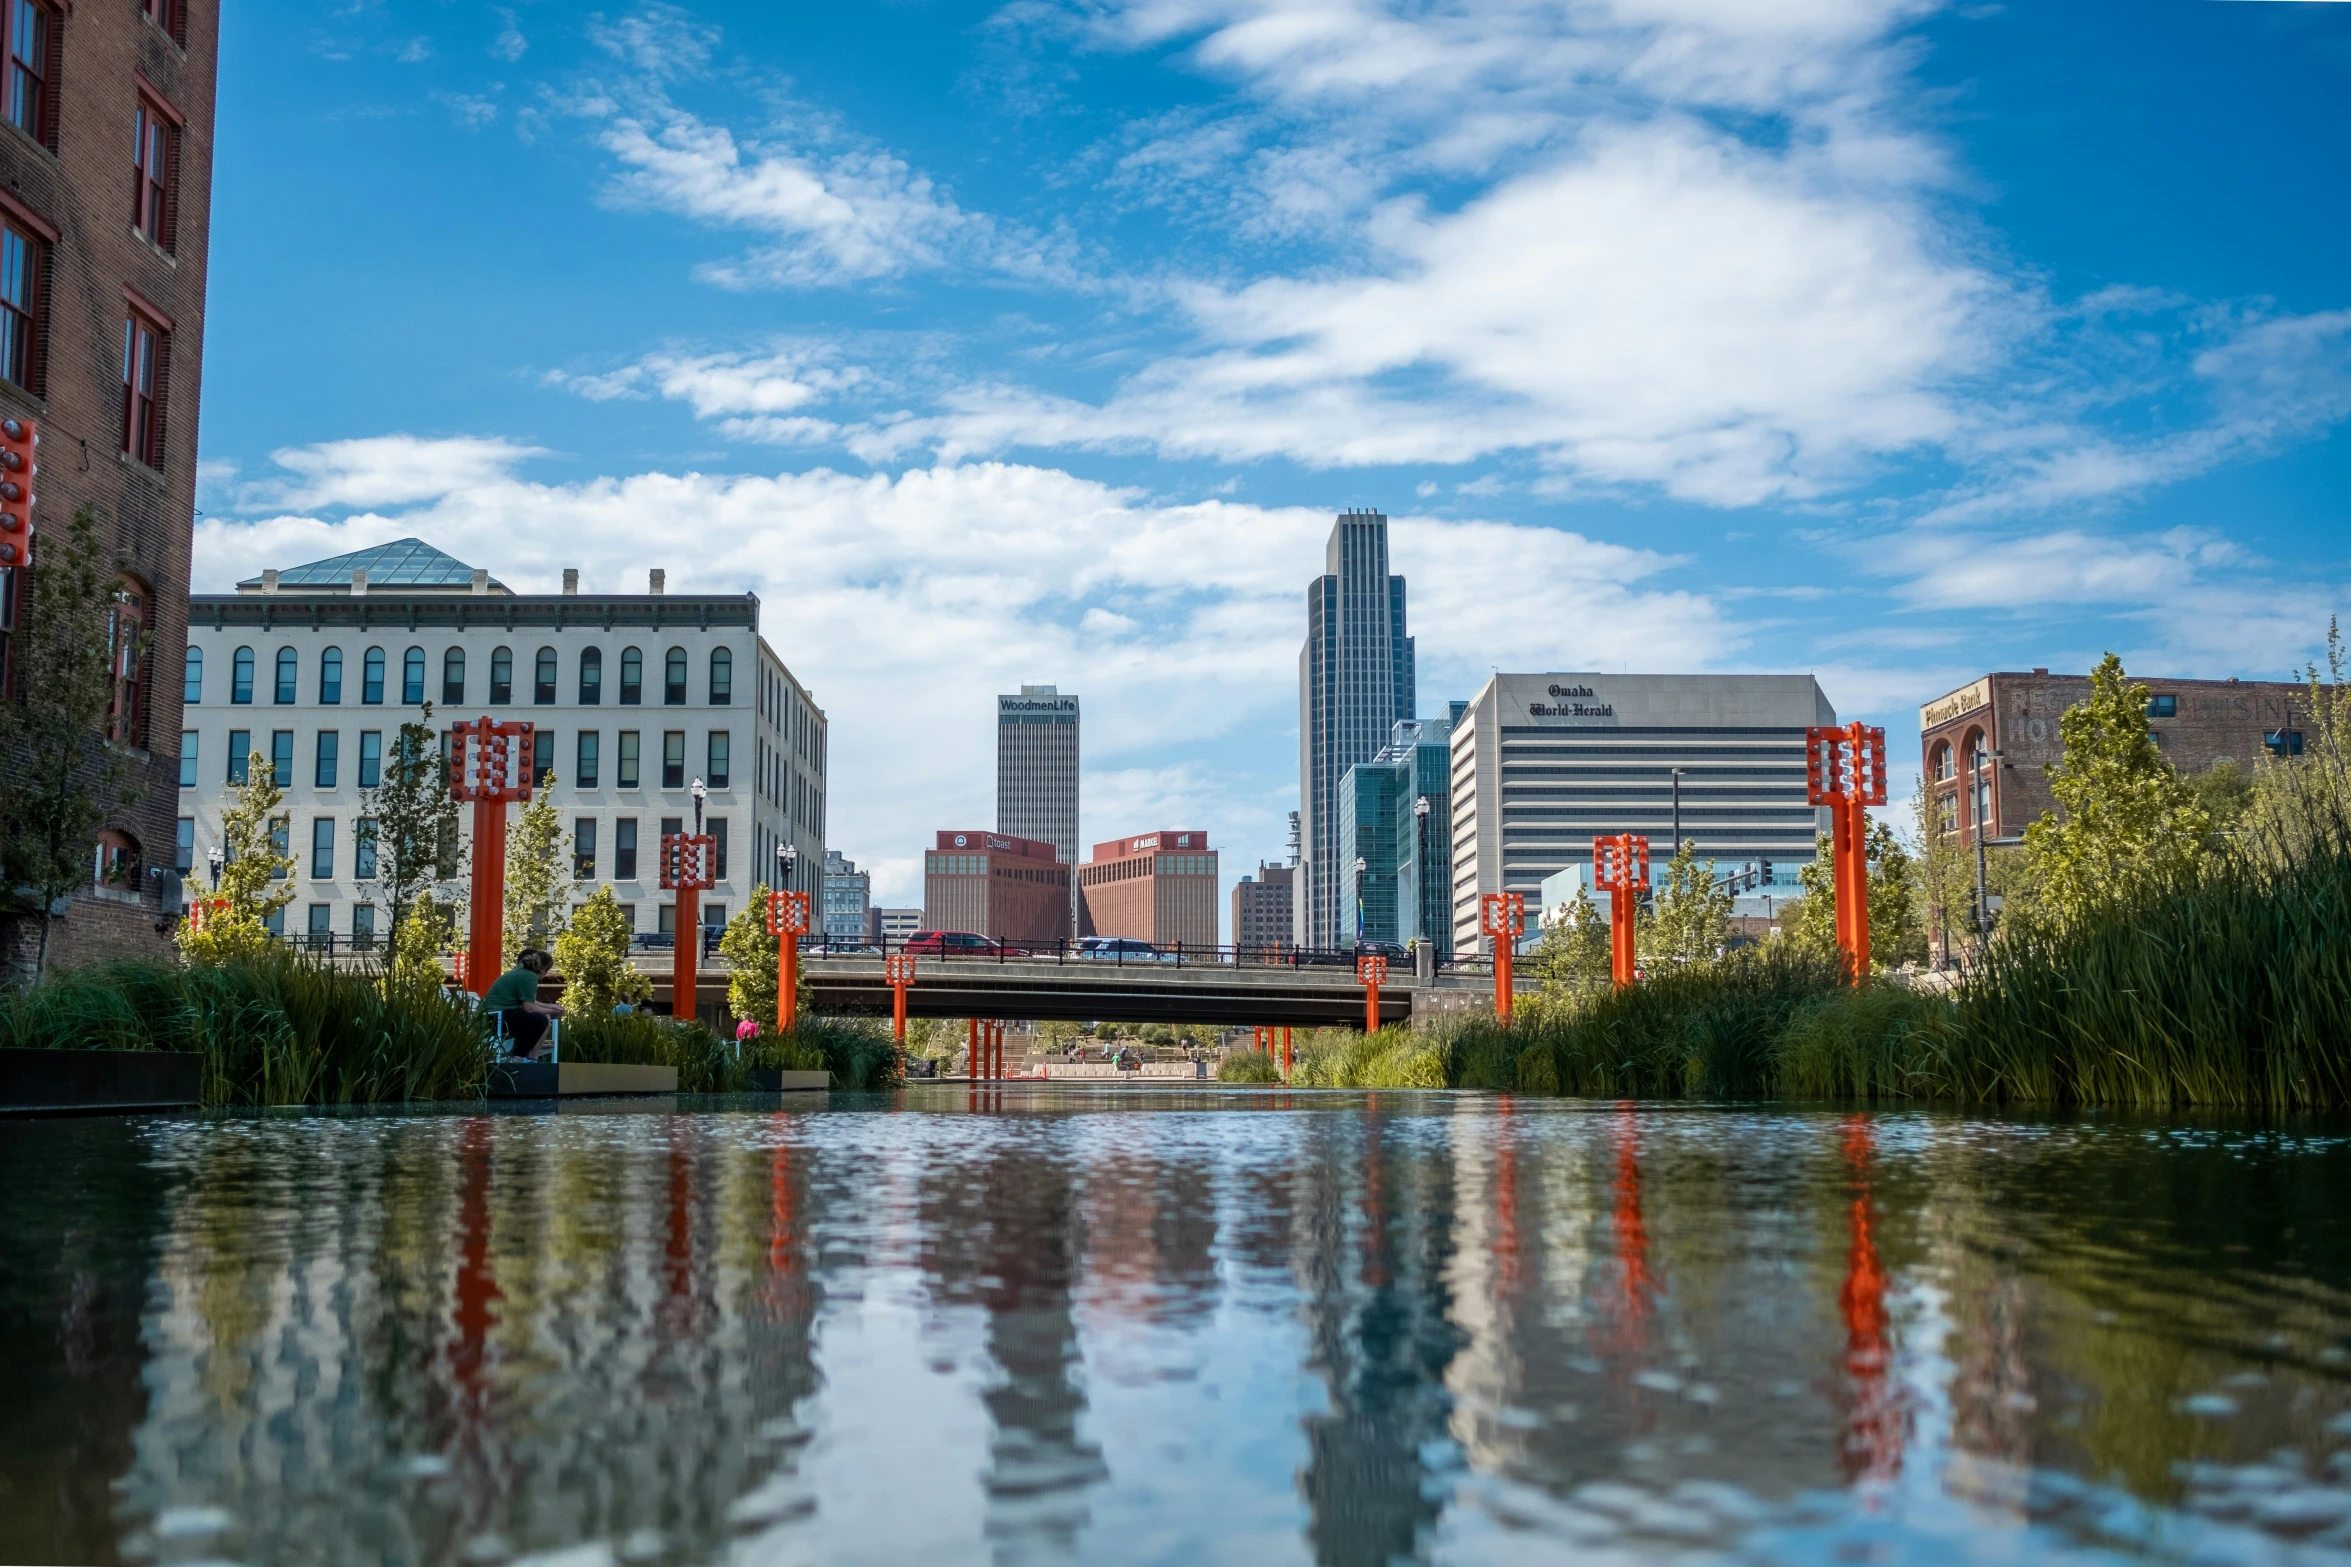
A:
{"x": 858, "y": 1053}
{"x": 1248, "y": 1066}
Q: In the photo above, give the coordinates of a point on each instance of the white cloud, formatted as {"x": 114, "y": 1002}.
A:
{"x": 907, "y": 602}
{"x": 381, "y": 470}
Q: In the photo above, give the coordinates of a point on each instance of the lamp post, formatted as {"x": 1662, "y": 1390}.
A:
{"x": 1425, "y": 954}
{"x": 1361, "y": 865}
{"x": 689, "y": 866}
{"x": 787, "y": 921}
{"x": 215, "y": 859}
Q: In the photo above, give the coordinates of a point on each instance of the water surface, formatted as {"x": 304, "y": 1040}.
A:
{"x": 1122, "y": 1325}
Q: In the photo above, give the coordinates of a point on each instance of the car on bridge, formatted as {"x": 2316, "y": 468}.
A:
{"x": 960, "y": 944}
{"x": 1122, "y": 949}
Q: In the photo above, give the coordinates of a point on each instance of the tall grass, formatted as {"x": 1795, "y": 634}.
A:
{"x": 1248, "y": 1066}
{"x": 279, "y": 1029}
{"x": 858, "y": 1053}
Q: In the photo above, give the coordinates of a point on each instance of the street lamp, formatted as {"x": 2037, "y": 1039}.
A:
{"x": 1677, "y": 813}
{"x": 1361, "y": 865}
{"x": 701, "y": 792}
{"x": 787, "y": 856}
{"x": 215, "y": 859}
{"x": 1420, "y": 868}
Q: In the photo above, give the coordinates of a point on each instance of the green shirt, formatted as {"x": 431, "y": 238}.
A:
{"x": 514, "y": 987}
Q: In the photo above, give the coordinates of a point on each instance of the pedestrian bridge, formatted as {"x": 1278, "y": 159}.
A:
{"x": 1046, "y": 990}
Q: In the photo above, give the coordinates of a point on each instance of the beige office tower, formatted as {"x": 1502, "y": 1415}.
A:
{"x": 1037, "y": 768}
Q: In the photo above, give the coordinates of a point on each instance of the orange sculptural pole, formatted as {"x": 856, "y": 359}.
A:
{"x": 689, "y": 867}
{"x": 1502, "y": 916}
{"x": 787, "y": 921}
{"x": 490, "y": 765}
{"x": 1373, "y": 972}
{"x": 898, "y": 973}
{"x": 1845, "y": 770}
{"x": 1620, "y": 868}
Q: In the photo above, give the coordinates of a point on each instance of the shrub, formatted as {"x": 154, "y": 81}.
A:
{"x": 1248, "y": 1066}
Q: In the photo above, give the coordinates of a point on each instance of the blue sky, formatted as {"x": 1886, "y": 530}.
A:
{"x": 1039, "y": 341}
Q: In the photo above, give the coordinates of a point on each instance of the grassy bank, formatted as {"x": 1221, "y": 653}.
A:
{"x": 284, "y": 1029}
{"x": 2235, "y": 992}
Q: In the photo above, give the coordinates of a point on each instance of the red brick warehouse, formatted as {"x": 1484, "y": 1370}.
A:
{"x": 102, "y": 276}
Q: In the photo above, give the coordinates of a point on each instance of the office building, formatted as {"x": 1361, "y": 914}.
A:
{"x": 1395, "y": 820}
{"x": 848, "y": 901}
{"x": 1158, "y": 887}
{"x": 1355, "y": 680}
{"x": 634, "y": 697}
{"x": 1262, "y": 911}
{"x": 102, "y": 348}
{"x": 1037, "y": 768}
{"x": 1983, "y": 746}
{"x": 895, "y": 925}
{"x": 1015, "y": 889}
{"x": 1542, "y": 764}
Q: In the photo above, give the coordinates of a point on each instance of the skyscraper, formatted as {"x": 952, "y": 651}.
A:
{"x": 1354, "y": 682}
{"x": 1037, "y": 768}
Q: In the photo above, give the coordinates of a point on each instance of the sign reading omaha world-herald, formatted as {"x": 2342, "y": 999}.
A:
{"x": 1571, "y": 702}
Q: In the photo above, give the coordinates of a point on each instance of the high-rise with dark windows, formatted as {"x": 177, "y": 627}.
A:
{"x": 1037, "y": 768}
{"x": 1355, "y": 680}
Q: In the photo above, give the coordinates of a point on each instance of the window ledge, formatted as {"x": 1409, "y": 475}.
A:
{"x": 164, "y": 33}
{"x": 139, "y": 236}
{"x": 133, "y": 465}
{"x": 29, "y": 139}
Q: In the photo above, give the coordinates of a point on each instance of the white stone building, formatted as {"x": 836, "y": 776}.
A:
{"x": 635, "y": 696}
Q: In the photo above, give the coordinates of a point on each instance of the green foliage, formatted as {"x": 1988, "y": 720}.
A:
{"x": 1157, "y": 1034}
{"x": 2299, "y": 807}
{"x": 419, "y": 940}
{"x": 706, "y": 1062}
{"x": 753, "y": 955}
{"x": 592, "y": 952}
{"x": 1897, "y": 896}
{"x": 257, "y": 880}
{"x": 2127, "y": 823}
{"x": 1942, "y": 881}
{"x": 1573, "y": 954}
{"x": 1248, "y": 1066}
{"x": 415, "y": 819}
{"x": 1395, "y": 1057}
{"x": 279, "y": 1028}
{"x": 538, "y": 876}
{"x": 1689, "y": 916}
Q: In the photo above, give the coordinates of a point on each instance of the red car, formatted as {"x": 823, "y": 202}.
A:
{"x": 960, "y": 944}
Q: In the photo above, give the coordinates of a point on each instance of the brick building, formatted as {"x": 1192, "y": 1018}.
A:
{"x": 102, "y": 274}
{"x": 2014, "y": 718}
{"x": 1015, "y": 889}
{"x": 1158, "y": 887}
{"x": 1262, "y": 910}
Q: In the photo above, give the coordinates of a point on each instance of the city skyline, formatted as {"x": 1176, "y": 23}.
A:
{"x": 1085, "y": 327}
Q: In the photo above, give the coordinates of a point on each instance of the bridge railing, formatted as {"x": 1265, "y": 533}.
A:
{"x": 1174, "y": 955}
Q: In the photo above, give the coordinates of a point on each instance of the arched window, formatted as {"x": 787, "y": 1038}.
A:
{"x": 501, "y": 675}
{"x": 722, "y": 676}
{"x": 543, "y": 677}
{"x": 632, "y": 677}
{"x": 289, "y": 671}
{"x": 673, "y": 677}
{"x": 192, "y": 679}
{"x": 453, "y": 675}
{"x": 241, "y": 676}
{"x": 371, "y": 677}
{"x": 412, "y": 677}
{"x": 1939, "y": 765}
{"x": 126, "y": 663}
{"x": 591, "y": 677}
{"x": 330, "y": 677}
{"x": 117, "y": 862}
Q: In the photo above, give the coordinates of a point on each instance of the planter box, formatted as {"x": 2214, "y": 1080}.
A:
{"x": 52, "y": 1082}
{"x": 549, "y": 1080}
{"x": 775, "y": 1080}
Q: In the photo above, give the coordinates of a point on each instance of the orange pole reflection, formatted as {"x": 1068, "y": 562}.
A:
{"x": 1506, "y": 1206}
{"x": 1873, "y": 1425}
{"x": 1636, "y": 1287}
{"x": 477, "y": 1272}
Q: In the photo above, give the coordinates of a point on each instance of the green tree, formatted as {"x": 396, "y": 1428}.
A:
{"x": 415, "y": 820}
{"x": 419, "y": 940}
{"x": 256, "y": 876}
{"x": 751, "y": 955}
{"x": 1943, "y": 879}
{"x": 1573, "y": 953}
{"x": 2296, "y": 805}
{"x": 1897, "y": 928}
{"x": 1689, "y": 920}
{"x": 60, "y": 777}
{"x": 592, "y": 950}
{"x": 2126, "y": 821}
{"x": 538, "y": 876}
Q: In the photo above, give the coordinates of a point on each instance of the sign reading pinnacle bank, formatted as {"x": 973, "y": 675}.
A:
{"x": 1571, "y": 702}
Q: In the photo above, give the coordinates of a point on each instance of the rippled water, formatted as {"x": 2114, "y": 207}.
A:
{"x": 1122, "y": 1326}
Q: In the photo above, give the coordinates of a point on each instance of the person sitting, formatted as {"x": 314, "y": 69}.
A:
{"x": 515, "y": 1000}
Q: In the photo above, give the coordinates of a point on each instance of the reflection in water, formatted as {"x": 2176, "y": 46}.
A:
{"x": 1053, "y": 1326}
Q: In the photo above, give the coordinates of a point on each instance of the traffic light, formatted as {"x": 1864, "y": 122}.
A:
{"x": 16, "y": 491}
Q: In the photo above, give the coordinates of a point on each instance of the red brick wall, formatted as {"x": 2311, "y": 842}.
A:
{"x": 83, "y": 190}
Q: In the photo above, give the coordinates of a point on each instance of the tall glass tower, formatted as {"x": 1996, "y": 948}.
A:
{"x": 1354, "y": 683}
{"x": 1037, "y": 768}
